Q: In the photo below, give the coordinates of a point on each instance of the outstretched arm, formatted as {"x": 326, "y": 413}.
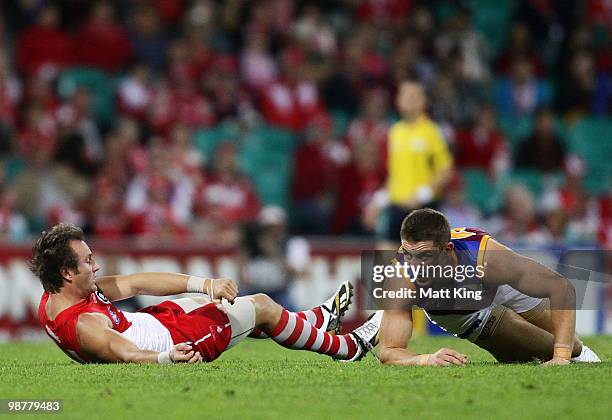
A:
{"x": 163, "y": 284}
{"x": 106, "y": 345}
{"x": 504, "y": 266}
{"x": 395, "y": 331}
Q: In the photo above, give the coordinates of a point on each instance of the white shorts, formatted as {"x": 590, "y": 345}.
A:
{"x": 242, "y": 318}
{"x": 241, "y": 314}
{"x": 469, "y": 326}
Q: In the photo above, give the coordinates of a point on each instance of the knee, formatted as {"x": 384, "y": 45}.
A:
{"x": 265, "y": 307}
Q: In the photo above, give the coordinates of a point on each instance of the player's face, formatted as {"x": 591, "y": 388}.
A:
{"x": 83, "y": 279}
{"x": 424, "y": 252}
{"x": 410, "y": 99}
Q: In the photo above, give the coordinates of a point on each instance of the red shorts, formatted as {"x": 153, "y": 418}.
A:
{"x": 206, "y": 328}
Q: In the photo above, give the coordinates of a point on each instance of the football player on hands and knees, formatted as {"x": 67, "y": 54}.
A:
{"x": 76, "y": 311}
{"x": 529, "y": 315}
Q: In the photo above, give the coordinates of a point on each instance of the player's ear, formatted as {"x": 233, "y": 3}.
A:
{"x": 66, "y": 274}
{"x": 449, "y": 246}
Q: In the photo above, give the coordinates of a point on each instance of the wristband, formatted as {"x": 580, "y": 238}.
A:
{"x": 195, "y": 285}
{"x": 164, "y": 358}
{"x": 563, "y": 351}
{"x": 422, "y": 359}
{"x": 210, "y": 291}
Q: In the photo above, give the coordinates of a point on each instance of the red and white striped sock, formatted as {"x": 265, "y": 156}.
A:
{"x": 294, "y": 332}
{"x": 317, "y": 317}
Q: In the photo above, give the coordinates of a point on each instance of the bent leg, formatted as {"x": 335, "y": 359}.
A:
{"x": 516, "y": 340}
{"x": 540, "y": 316}
{"x": 292, "y": 331}
{"x": 241, "y": 314}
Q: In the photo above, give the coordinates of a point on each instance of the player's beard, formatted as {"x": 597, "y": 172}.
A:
{"x": 94, "y": 286}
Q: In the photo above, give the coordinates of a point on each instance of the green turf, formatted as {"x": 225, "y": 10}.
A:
{"x": 258, "y": 379}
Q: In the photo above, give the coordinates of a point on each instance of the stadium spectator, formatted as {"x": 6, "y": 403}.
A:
{"x": 231, "y": 99}
{"x": 580, "y": 90}
{"x": 408, "y": 58}
{"x": 371, "y": 125}
{"x": 147, "y": 36}
{"x": 315, "y": 178}
{"x": 364, "y": 173}
{"x": 13, "y": 225}
{"x": 310, "y": 30}
{"x": 38, "y": 129}
{"x": 101, "y": 41}
{"x": 159, "y": 201}
{"x": 271, "y": 259}
{"x": 471, "y": 45}
{"x": 482, "y": 146}
{"x": 521, "y": 93}
{"x": 257, "y": 66}
{"x": 47, "y": 189}
{"x": 179, "y": 102}
{"x": 183, "y": 158}
{"x": 293, "y": 102}
{"x": 446, "y": 106}
{"x": 520, "y": 44}
{"x": 358, "y": 181}
{"x": 44, "y": 48}
{"x": 542, "y": 150}
{"x": 76, "y": 124}
{"x": 10, "y": 93}
{"x": 456, "y": 207}
{"x": 159, "y": 219}
{"x": 518, "y": 224}
{"x": 225, "y": 200}
{"x": 580, "y": 212}
{"x": 385, "y": 12}
{"x": 106, "y": 215}
{"x": 135, "y": 92}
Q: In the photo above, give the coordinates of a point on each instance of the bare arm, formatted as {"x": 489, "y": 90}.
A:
{"x": 120, "y": 287}
{"x": 504, "y": 266}
{"x": 442, "y": 179}
{"x": 395, "y": 332}
{"x": 106, "y": 345}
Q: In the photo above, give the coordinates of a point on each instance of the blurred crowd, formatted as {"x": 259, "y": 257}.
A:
{"x": 100, "y": 103}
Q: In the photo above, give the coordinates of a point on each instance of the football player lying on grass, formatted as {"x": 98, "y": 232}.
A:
{"x": 76, "y": 311}
{"x": 531, "y": 314}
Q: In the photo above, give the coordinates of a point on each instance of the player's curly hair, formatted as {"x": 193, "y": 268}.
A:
{"x": 52, "y": 253}
{"x": 426, "y": 225}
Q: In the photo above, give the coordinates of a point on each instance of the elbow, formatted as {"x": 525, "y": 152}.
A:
{"x": 563, "y": 295}
{"x": 570, "y": 295}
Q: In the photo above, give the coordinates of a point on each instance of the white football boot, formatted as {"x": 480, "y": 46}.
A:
{"x": 366, "y": 337}
{"x": 586, "y": 356}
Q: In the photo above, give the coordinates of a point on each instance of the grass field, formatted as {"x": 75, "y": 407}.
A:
{"x": 259, "y": 379}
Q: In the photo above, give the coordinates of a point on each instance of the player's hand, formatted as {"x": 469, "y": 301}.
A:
{"x": 224, "y": 288}
{"x": 447, "y": 357}
{"x": 184, "y": 353}
{"x": 556, "y": 361}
